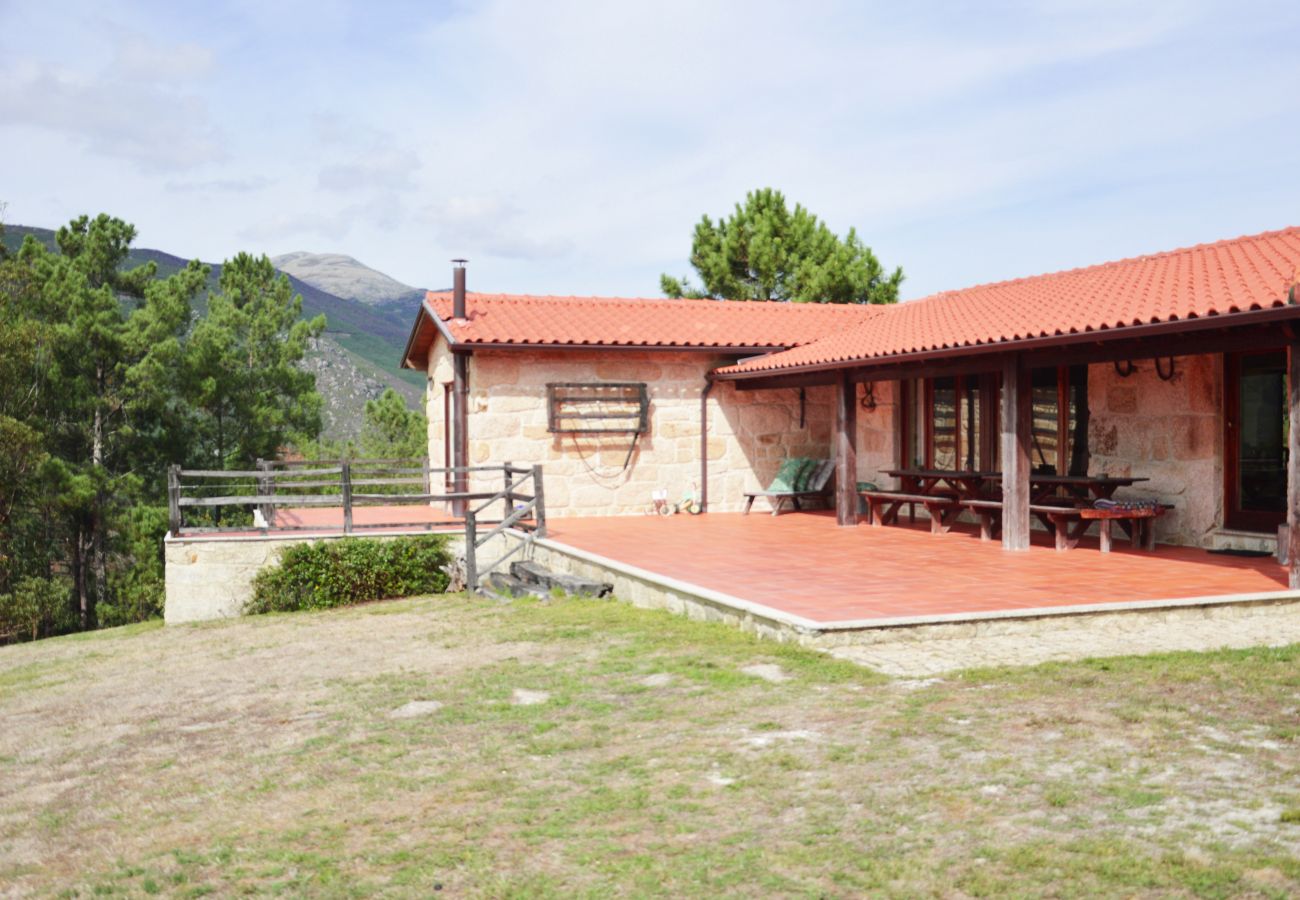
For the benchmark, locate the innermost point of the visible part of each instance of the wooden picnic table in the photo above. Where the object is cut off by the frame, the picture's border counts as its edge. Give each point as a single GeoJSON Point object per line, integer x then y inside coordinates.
{"type": "Point", "coordinates": [935, 481]}
{"type": "Point", "coordinates": [920, 483]}
{"type": "Point", "coordinates": [972, 489]}
{"type": "Point", "coordinates": [1079, 487]}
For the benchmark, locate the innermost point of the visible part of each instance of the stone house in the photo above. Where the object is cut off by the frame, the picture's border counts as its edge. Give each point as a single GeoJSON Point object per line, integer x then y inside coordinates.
{"type": "Point", "coordinates": [529, 362]}
{"type": "Point", "coordinates": [1171, 367]}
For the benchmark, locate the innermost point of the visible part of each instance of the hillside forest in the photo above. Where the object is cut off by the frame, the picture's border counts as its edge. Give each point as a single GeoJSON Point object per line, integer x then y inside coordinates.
{"type": "Point", "coordinates": [111, 371]}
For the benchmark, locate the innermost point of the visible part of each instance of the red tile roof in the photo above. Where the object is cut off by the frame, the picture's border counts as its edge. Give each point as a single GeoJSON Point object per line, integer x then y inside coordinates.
{"type": "Point", "coordinates": [507, 319]}
{"type": "Point", "coordinates": [1219, 279]}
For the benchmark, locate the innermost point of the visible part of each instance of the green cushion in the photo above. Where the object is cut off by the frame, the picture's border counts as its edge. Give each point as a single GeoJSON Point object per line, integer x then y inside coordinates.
{"type": "Point", "coordinates": [809, 474]}
{"type": "Point", "coordinates": [789, 475]}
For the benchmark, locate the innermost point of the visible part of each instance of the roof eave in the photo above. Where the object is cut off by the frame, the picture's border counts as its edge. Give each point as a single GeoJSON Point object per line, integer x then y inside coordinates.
{"type": "Point", "coordinates": [426, 311]}
{"type": "Point", "coordinates": [1179, 326]}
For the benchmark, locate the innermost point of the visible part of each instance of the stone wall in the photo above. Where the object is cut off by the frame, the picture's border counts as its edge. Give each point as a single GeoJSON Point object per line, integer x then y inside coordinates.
{"type": "Point", "coordinates": [878, 433]}
{"type": "Point", "coordinates": [1168, 431]}
{"type": "Point", "coordinates": [212, 577]}
{"type": "Point", "coordinates": [749, 432]}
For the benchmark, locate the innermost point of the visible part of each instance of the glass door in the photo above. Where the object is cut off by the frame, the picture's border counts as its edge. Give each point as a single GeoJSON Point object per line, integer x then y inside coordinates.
{"type": "Point", "coordinates": [1256, 441]}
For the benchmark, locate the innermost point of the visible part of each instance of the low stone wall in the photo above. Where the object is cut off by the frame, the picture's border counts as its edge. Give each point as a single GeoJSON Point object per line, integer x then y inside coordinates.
{"type": "Point", "coordinates": [212, 577]}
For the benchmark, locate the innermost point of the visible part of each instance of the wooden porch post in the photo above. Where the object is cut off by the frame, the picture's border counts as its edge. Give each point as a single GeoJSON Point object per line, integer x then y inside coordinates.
{"type": "Point", "coordinates": [1293, 465]}
{"type": "Point", "coordinates": [846, 450]}
{"type": "Point", "coordinates": [1016, 415]}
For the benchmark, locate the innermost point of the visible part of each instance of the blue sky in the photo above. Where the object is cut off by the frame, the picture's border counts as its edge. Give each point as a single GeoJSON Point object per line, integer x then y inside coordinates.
{"type": "Point", "coordinates": [571, 147]}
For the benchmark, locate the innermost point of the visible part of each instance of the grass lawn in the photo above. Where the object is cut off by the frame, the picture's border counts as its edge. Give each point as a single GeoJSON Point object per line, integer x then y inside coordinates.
{"type": "Point", "coordinates": [586, 748]}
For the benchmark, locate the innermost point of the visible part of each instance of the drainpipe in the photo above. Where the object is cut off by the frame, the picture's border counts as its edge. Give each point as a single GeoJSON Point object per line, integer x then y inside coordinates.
{"type": "Point", "coordinates": [704, 443]}
{"type": "Point", "coordinates": [459, 397]}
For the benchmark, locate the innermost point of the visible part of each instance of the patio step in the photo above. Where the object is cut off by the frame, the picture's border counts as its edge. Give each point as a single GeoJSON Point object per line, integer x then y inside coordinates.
{"type": "Point", "coordinates": [508, 586]}
{"type": "Point", "coordinates": [532, 573]}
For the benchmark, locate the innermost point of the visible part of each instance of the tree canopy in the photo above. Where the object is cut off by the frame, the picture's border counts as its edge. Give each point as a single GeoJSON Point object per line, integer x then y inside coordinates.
{"type": "Point", "coordinates": [766, 251]}
{"type": "Point", "coordinates": [106, 378]}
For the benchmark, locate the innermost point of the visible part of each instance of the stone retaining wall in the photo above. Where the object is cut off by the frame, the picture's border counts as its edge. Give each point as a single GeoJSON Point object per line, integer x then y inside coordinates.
{"type": "Point", "coordinates": [212, 577]}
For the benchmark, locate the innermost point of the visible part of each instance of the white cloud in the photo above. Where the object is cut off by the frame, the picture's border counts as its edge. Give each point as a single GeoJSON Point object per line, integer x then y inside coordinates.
{"type": "Point", "coordinates": [479, 226]}
{"type": "Point", "coordinates": [131, 108]}
{"type": "Point", "coordinates": [385, 169]}
{"type": "Point", "coordinates": [219, 185]}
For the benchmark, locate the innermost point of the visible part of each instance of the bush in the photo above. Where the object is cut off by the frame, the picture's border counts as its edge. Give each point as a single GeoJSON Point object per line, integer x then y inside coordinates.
{"type": "Point", "coordinates": [37, 607]}
{"type": "Point", "coordinates": [352, 570]}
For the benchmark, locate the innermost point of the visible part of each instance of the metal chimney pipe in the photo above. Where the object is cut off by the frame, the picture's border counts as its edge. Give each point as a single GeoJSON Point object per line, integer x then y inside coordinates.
{"type": "Point", "coordinates": [458, 289]}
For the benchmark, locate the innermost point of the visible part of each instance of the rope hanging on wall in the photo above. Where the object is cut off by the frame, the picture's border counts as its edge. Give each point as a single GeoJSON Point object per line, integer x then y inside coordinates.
{"type": "Point", "coordinates": [1124, 368]}
{"type": "Point", "coordinates": [1161, 371]}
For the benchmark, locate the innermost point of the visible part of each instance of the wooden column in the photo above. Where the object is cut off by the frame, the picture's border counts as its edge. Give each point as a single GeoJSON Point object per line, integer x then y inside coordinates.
{"type": "Point", "coordinates": [1016, 420]}
{"type": "Point", "coordinates": [1293, 465]}
{"type": "Point", "coordinates": [846, 450]}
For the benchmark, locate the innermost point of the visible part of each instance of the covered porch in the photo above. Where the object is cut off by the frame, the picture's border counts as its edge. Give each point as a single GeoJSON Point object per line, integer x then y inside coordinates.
{"type": "Point", "coordinates": [993, 468]}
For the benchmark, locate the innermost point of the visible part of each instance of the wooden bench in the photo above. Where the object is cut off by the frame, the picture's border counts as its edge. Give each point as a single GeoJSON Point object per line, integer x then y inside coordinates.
{"type": "Point", "coordinates": [989, 513]}
{"type": "Point", "coordinates": [1069, 523]}
{"type": "Point", "coordinates": [883, 507]}
{"type": "Point", "coordinates": [1140, 524]}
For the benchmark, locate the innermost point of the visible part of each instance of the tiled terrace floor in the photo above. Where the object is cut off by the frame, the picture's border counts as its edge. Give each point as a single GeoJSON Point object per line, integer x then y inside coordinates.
{"type": "Point", "coordinates": [803, 563]}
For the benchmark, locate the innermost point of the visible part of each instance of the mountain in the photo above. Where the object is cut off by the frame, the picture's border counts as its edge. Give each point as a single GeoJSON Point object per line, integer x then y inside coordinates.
{"type": "Point", "coordinates": [345, 277]}
{"type": "Point", "coordinates": [355, 360]}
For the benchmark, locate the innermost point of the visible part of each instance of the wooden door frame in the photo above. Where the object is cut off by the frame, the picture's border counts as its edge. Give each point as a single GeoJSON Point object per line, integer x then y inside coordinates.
{"type": "Point", "coordinates": [1233, 518]}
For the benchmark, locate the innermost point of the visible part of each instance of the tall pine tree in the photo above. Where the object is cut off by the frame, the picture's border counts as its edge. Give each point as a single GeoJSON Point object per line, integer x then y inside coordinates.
{"type": "Point", "coordinates": [244, 380]}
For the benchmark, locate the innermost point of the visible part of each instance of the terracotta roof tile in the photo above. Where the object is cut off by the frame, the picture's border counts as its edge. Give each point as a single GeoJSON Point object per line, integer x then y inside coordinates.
{"type": "Point", "coordinates": [1232, 276]}
{"type": "Point", "coordinates": [615, 321]}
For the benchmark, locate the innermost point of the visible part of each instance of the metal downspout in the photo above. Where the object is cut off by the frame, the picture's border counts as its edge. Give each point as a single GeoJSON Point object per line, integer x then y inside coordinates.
{"type": "Point", "coordinates": [704, 442]}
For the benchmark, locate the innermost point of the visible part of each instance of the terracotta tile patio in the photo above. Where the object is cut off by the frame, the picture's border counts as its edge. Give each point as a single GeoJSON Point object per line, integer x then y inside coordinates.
{"type": "Point", "coordinates": [803, 563]}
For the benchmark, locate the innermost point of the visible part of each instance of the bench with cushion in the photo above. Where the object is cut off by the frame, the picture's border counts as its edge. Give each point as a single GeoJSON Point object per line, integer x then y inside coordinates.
{"type": "Point", "coordinates": [797, 479]}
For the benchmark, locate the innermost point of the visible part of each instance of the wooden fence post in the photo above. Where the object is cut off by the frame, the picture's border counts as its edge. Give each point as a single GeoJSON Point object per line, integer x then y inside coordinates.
{"type": "Point", "coordinates": [346, 479]}
{"type": "Point", "coordinates": [471, 562]}
{"type": "Point", "coordinates": [263, 489]}
{"type": "Point", "coordinates": [539, 502]}
{"type": "Point", "coordinates": [174, 499]}
{"type": "Point", "coordinates": [510, 497]}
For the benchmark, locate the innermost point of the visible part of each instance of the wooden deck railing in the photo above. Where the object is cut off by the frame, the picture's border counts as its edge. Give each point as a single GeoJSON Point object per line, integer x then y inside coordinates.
{"type": "Point", "coordinates": [522, 510]}
{"type": "Point", "coordinates": [216, 496]}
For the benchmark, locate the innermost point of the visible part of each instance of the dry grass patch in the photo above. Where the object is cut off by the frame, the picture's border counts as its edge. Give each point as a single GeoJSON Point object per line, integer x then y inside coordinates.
{"type": "Point", "coordinates": [262, 756]}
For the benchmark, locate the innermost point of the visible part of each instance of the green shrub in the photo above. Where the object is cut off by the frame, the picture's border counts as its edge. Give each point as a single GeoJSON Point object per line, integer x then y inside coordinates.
{"type": "Point", "coordinates": [137, 591]}
{"type": "Point", "coordinates": [353, 570]}
{"type": "Point", "coordinates": [37, 607]}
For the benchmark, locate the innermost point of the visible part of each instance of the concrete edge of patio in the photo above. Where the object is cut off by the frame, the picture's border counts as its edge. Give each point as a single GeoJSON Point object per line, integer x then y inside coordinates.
{"type": "Point", "coordinates": [932, 644]}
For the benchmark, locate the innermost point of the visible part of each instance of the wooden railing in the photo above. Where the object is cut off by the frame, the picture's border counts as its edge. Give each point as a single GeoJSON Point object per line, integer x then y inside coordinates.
{"type": "Point", "coordinates": [217, 496]}
{"type": "Point", "coordinates": [523, 510]}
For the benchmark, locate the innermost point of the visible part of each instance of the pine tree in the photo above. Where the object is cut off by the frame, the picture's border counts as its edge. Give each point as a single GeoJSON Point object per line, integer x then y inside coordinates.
{"type": "Point", "coordinates": [243, 376]}
{"type": "Point", "coordinates": [392, 431]}
{"type": "Point", "coordinates": [765, 251]}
